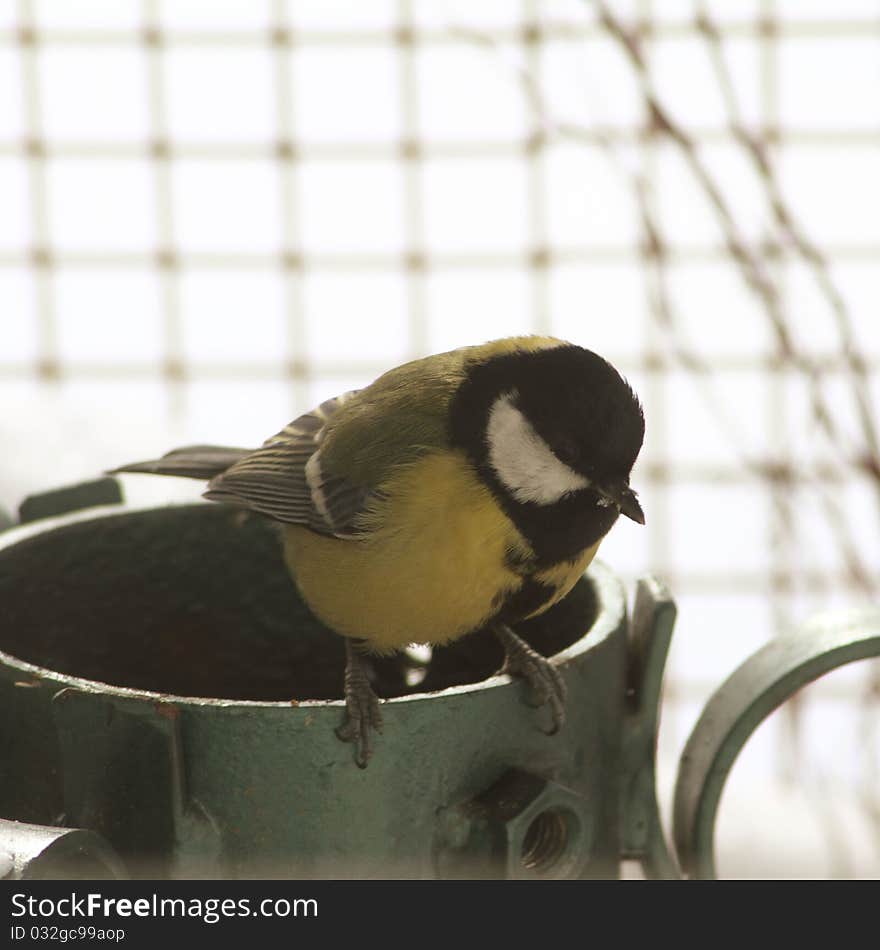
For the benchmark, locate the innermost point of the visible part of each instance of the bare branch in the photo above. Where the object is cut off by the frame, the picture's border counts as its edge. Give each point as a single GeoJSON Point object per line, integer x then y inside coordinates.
{"type": "Point", "coordinates": [800, 241]}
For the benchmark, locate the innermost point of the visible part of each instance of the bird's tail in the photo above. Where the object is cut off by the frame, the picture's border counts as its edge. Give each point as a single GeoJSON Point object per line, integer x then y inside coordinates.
{"type": "Point", "coordinates": [192, 461]}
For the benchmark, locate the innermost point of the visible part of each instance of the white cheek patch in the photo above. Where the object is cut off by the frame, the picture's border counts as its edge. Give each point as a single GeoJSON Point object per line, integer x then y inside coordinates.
{"type": "Point", "coordinates": [523, 461]}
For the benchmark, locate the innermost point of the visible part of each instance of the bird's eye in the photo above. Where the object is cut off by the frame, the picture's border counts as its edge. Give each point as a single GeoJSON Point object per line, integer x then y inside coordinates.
{"type": "Point", "coordinates": [566, 451]}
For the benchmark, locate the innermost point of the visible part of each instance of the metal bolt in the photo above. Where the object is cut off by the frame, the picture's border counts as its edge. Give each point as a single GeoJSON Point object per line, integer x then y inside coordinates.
{"type": "Point", "coordinates": [524, 826]}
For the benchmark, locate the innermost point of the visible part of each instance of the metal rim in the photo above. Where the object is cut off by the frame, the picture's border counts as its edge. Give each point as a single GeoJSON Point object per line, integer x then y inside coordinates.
{"type": "Point", "coordinates": [610, 599]}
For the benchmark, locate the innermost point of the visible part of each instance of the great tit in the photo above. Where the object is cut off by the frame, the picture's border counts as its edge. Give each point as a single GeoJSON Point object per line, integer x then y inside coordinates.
{"type": "Point", "coordinates": [466, 489]}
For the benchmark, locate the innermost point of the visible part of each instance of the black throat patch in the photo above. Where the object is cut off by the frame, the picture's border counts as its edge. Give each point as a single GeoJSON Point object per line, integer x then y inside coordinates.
{"type": "Point", "coordinates": [555, 532]}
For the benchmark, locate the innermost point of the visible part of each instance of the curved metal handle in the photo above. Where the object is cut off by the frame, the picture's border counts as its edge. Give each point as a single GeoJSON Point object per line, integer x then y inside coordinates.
{"type": "Point", "coordinates": [759, 686]}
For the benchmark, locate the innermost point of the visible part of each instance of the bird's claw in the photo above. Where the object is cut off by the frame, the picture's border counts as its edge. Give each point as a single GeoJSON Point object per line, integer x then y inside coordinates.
{"type": "Point", "coordinates": [362, 713]}
{"type": "Point", "coordinates": [544, 680]}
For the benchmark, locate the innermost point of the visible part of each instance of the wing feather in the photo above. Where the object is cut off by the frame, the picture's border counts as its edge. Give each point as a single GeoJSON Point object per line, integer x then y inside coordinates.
{"type": "Point", "coordinates": [325, 468]}
{"type": "Point", "coordinates": [285, 480]}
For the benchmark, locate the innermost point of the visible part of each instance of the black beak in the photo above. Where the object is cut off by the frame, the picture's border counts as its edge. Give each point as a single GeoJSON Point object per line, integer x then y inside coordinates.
{"type": "Point", "coordinates": [629, 506]}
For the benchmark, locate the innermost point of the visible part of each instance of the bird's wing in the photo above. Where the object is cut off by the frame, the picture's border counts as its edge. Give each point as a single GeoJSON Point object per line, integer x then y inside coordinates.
{"type": "Point", "coordinates": [284, 478]}
{"type": "Point", "coordinates": [324, 468]}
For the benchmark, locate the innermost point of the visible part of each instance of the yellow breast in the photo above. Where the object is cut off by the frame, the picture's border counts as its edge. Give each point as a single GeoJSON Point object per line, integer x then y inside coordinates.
{"type": "Point", "coordinates": [432, 566]}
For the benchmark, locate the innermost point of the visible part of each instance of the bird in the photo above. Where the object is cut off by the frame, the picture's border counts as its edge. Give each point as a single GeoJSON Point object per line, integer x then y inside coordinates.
{"type": "Point", "coordinates": [458, 491]}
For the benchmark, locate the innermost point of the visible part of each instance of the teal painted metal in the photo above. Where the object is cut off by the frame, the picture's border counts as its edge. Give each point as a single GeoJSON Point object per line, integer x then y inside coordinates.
{"type": "Point", "coordinates": [759, 686]}
{"type": "Point", "coordinates": [642, 835]}
{"type": "Point", "coordinates": [59, 501]}
{"type": "Point", "coordinates": [164, 689]}
{"type": "Point", "coordinates": [187, 785]}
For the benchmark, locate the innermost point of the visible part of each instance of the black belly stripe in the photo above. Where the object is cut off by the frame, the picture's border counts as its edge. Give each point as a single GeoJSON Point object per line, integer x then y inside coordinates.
{"type": "Point", "coordinates": [523, 602]}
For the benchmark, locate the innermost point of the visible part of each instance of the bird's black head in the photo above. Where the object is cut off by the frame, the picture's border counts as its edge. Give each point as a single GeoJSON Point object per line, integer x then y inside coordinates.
{"type": "Point", "coordinates": [555, 432]}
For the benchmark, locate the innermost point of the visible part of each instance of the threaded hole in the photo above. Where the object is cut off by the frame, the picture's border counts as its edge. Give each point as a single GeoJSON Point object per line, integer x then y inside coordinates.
{"type": "Point", "coordinates": [546, 840]}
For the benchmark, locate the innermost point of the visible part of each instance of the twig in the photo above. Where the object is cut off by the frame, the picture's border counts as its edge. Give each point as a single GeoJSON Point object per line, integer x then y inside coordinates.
{"type": "Point", "coordinates": [655, 255]}
{"type": "Point", "coordinates": [798, 238]}
{"type": "Point", "coordinates": [754, 273]}
{"type": "Point", "coordinates": [751, 265]}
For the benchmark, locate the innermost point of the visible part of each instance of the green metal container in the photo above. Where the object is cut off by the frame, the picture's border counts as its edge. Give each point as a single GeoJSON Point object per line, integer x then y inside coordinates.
{"type": "Point", "coordinates": [168, 706]}
{"type": "Point", "coordinates": [163, 686]}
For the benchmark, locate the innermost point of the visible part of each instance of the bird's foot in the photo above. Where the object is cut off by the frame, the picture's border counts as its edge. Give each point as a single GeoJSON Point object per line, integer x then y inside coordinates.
{"type": "Point", "coordinates": [544, 680]}
{"type": "Point", "coordinates": [362, 713]}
